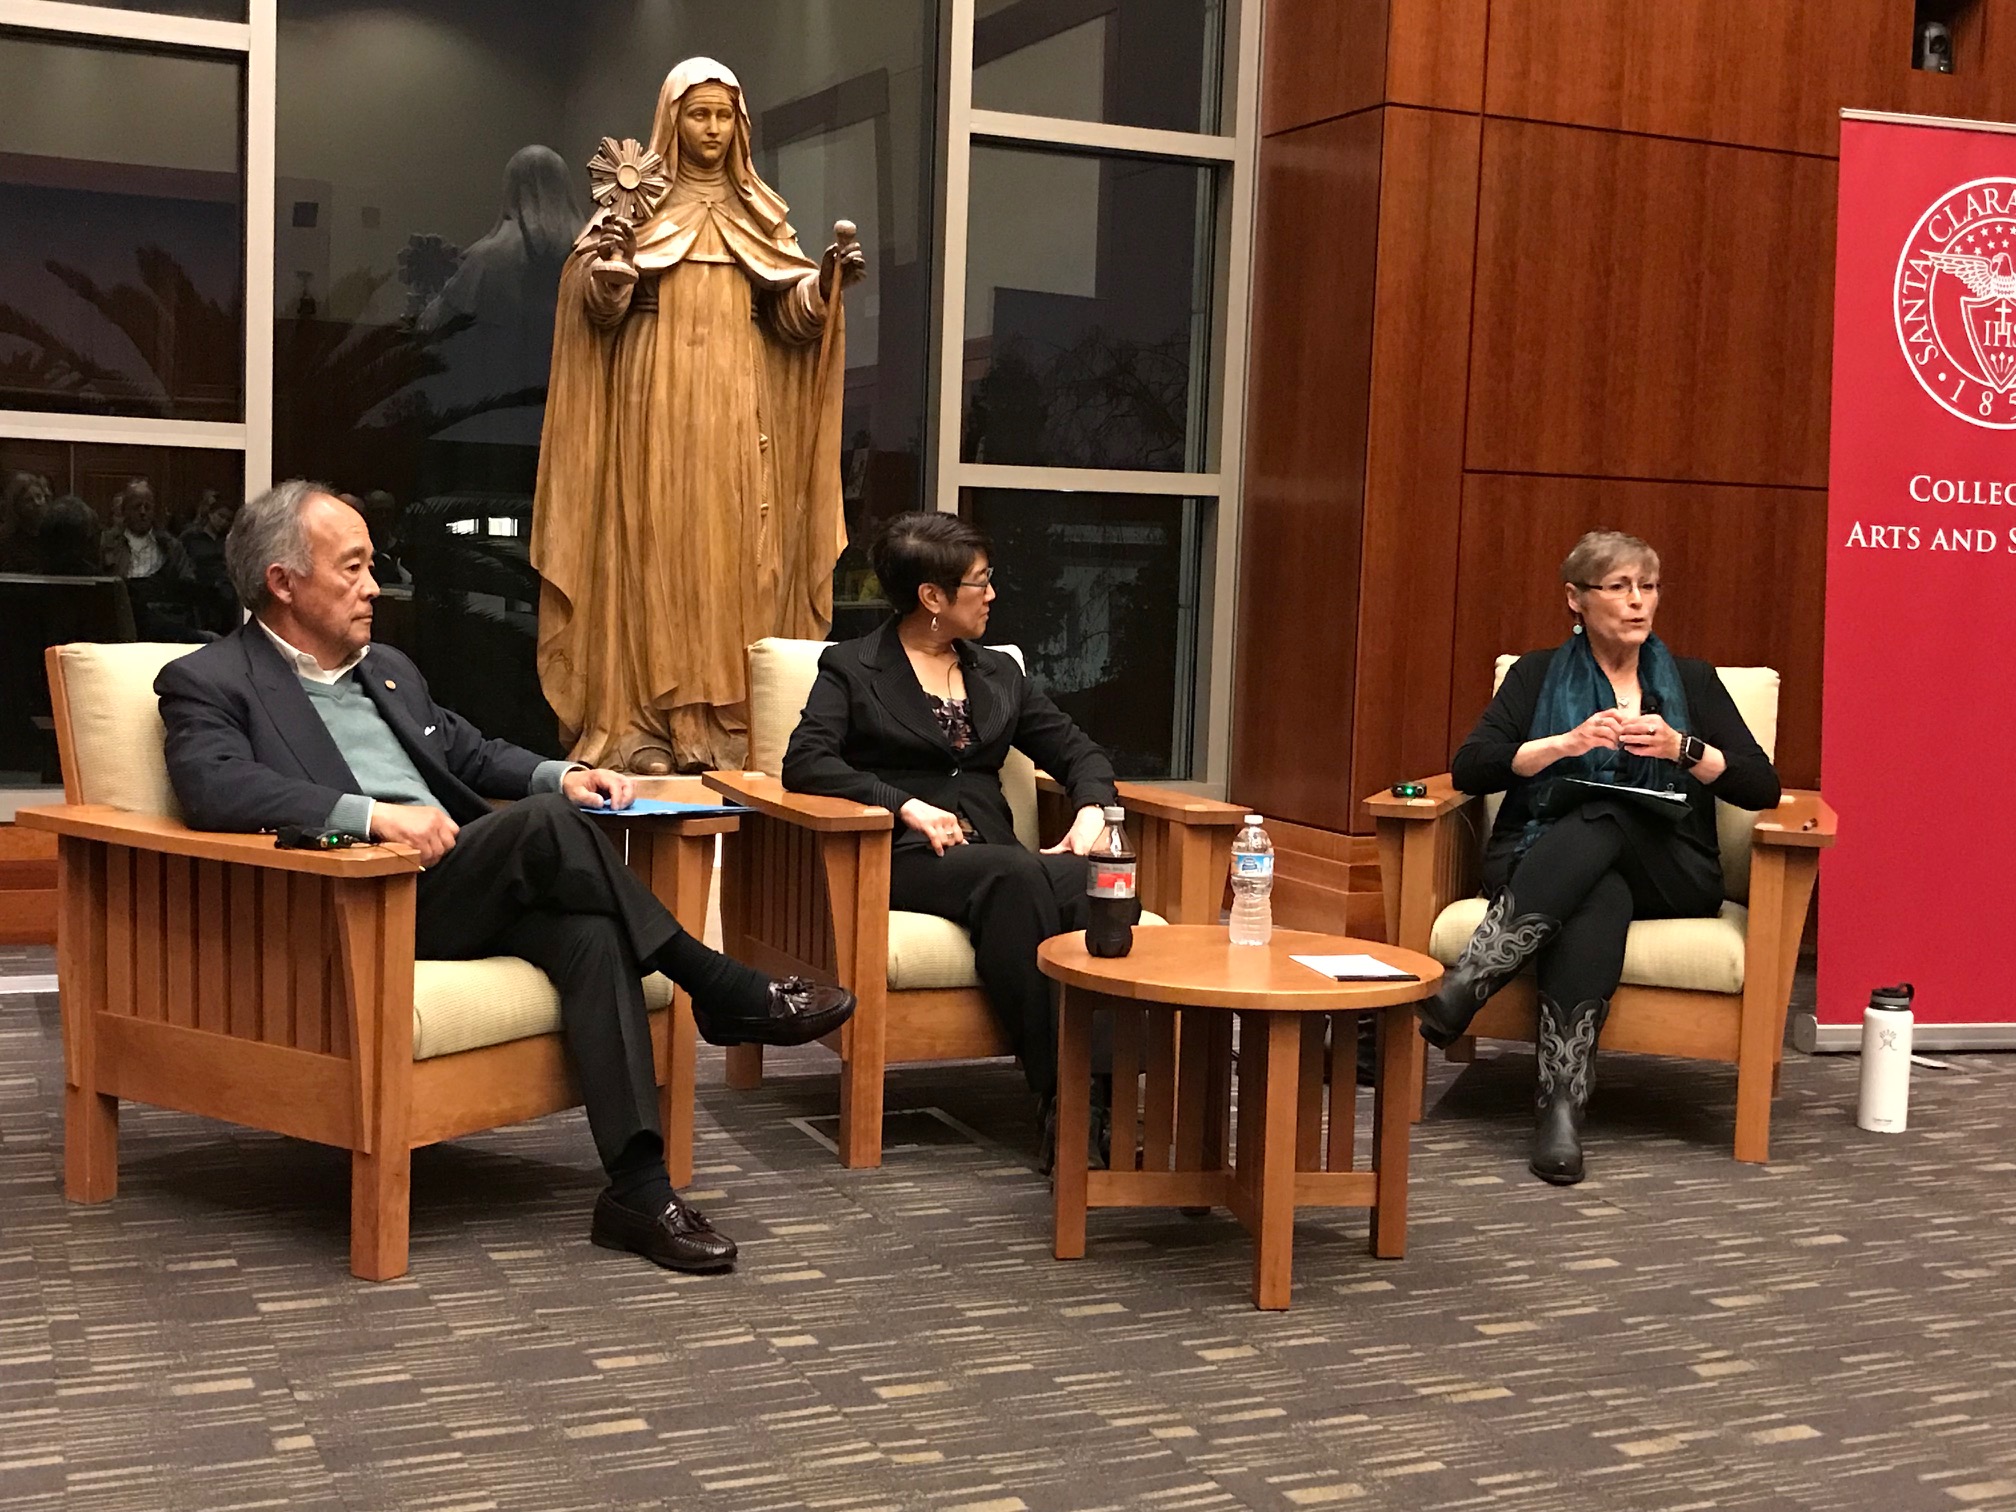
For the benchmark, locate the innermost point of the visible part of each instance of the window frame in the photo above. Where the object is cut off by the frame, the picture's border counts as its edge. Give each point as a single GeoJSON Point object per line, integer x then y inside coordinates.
{"type": "Point", "coordinates": [1220, 399]}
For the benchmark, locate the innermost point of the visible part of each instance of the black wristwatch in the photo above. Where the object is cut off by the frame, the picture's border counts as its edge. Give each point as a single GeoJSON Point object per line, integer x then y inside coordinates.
{"type": "Point", "coordinates": [1692, 749]}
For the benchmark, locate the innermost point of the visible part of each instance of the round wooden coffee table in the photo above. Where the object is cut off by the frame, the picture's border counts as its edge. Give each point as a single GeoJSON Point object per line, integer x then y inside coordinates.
{"type": "Point", "coordinates": [1173, 999]}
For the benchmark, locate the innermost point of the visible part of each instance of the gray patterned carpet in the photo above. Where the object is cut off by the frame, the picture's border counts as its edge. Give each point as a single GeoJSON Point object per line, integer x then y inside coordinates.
{"type": "Point", "coordinates": [1833, 1333]}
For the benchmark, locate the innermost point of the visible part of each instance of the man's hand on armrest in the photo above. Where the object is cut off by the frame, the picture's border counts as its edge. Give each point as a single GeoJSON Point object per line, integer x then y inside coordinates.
{"type": "Point", "coordinates": [428, 830]}
{"type": "Point", "coordinates": [598, 787]}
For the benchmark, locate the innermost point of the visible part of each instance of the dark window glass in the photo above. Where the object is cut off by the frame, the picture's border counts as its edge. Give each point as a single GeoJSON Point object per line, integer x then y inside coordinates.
{"type": "Point", "coordinates": [1087, 311]}
{"type": "Point", "coordinates": [122, 246]}
{"type": "Point", "coordinates": [1099, 591]}
{"type": "Point", "coordinates": [102, 543]}
{"type": "Point", "coordinates": [415, 322]}
{"type": "Point", "coordinates": [201, 10]}
{"type": "Point", "coordinates": [1122, 62]}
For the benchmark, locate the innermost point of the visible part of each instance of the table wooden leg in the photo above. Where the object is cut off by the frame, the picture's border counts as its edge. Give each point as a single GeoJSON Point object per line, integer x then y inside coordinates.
{"type": "Point", "coordinates": [1158, 1117]}
{"type": "Point", "coordinates": [1218, 1093]}
{"type": "Point", "coordinates": [1342, 1143]}
{"type": "Point", "coordinates": [1309, 1104]}
{"type": "Point", "coordinates": [1401, 1057]}
{"type": "Point", "coordinates": [1074, 1116]}
{"type": "Point", "coordinates": [1270, 1045]}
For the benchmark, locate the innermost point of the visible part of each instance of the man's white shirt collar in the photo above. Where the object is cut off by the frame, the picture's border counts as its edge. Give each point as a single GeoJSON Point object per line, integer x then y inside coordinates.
{"type": "Point", "coordinates": [307, 666]}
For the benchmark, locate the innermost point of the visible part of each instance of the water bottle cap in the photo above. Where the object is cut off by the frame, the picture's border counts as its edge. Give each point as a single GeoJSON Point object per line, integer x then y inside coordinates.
{"type": "Point", "coordinates": [1113, 813]}
{"type": "Point", "coordinates": [1253, 819]}
{"type": "Point", "coordinates": [1893, 999]}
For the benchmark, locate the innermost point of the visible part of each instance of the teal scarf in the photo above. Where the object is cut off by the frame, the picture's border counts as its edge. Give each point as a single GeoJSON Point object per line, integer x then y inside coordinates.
{"type": "Point", "coordinates": [1575, 689]}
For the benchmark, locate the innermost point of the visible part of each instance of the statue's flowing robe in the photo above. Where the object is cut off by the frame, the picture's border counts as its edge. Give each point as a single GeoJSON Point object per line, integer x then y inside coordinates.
{"type": "Point", "coordinates": [689, 478]}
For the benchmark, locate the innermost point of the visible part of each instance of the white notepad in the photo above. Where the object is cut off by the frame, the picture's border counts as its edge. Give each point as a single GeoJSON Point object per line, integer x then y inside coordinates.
{"type": "Point", "coordinates": [1355, 968]}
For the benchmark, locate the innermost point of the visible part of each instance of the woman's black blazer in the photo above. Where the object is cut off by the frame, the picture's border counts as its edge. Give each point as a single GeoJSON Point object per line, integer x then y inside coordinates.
{"type": "Point", "coordinates": [868, 733]}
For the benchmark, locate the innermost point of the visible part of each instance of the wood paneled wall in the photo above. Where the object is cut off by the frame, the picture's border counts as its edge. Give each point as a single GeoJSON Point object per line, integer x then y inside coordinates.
{"type": "Point", "coordinates": [1600, 294]}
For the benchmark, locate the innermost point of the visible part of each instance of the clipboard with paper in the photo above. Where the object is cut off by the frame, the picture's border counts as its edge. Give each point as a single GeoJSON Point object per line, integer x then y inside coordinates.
{"type": "Point", "coordinates": [1665, 803]}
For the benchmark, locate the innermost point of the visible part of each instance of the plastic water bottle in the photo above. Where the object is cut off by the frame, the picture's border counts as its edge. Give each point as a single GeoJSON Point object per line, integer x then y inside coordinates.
{"type": "Point", "coordinates": [1252, 885]}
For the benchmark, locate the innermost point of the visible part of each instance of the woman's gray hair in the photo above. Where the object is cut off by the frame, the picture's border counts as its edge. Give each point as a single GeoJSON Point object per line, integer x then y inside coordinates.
{"type": "Point", "coordinates": [267, 532]}
{"type": "Point", "coordinates": [1602, 552]}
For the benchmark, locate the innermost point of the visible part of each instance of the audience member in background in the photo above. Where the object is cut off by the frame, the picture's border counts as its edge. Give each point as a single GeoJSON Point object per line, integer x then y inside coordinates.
{"type": "Point", "coordinates": [918, 718]}
{"type": "Point", "coordinates": [296, 717]}
{"type": "Point", "coordinates": [381, 518]}
{"type": "Point", "coordinates": [1567, 868]}
{"type": "Point", "coordinates": [69, 539]}
{"type": "Point", "coordinates": [203, 548]}
{"type": "Point", "coordinates": [24, 501]}
{"type": "Point", "coordinates": [138, 545]}
{"type": "Point", "coordinates": [140, 549]}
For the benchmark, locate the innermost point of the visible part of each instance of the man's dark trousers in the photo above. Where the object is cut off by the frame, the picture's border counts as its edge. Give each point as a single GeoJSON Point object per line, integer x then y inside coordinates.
{"type": "Point", "coordinates": [540, 881]}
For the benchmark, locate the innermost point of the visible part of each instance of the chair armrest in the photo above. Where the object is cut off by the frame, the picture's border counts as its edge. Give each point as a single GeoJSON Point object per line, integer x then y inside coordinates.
{"type": "Point", "coordinates": [1802, 818]}
{"type": "Point", "coordinates": [768, 796]}
{"type": "Point", "coordinates": [1443, 798]}
{"type": "Point", "coordinates": [1172, 804]}
{"type": "Point", "coordinates": [1177, 807]}
{"type": "Point", "coordinates": [149, 832]}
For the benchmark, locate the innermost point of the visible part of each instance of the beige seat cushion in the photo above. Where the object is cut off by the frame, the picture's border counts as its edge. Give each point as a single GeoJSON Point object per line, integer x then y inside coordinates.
{"type": "Point", "coordinates": [781, 674]}
{"type": "Point", "coordinates": [1754, 691]}
{"type": "Point", "coordinates": [115, 724]}
{"type": "Point", "coordinates": [927, 952]}
{"type": "Point", "coordinates": [1696, 955]}
{"type": "Point", "coordinates": [465, 1005]}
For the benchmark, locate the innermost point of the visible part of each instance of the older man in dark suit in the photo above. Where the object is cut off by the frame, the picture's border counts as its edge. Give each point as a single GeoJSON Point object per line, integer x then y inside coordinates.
{"type": "Point", "coordinates": [297, 718]}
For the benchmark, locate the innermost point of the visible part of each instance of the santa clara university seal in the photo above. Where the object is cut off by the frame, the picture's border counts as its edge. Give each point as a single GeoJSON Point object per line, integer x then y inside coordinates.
{"type": "Point", "coordinates": [1956, 302]}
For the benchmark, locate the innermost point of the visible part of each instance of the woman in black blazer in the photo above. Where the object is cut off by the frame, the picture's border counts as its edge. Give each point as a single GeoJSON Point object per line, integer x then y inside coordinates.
{"type": "Point", "coordinates": [1567, 868]}
{"type": "Point", "coordinates": [918, 717]}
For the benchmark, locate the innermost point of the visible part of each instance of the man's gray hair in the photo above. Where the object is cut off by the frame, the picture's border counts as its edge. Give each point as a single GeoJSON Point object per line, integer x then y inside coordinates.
{"type": "Point", "coordinates": [267, 532]}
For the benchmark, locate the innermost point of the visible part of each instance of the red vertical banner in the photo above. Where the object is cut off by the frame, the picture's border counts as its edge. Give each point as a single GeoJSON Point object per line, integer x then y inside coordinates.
{"type": "Point", "coordinates": [1918, 726]}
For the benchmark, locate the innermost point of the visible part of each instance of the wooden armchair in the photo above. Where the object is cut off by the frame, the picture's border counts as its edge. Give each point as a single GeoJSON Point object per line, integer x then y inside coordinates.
{"type": "Point", "coordinates": [1704, 989]}
{"type": "Point", "coordinates": [277, 989]}
{"type": "Point", "coordinates": [805, 890]}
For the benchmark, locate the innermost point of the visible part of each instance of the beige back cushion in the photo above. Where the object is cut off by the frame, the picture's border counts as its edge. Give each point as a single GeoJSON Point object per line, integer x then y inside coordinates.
{"type": "Point", "coordinates": [1754, 690]}
{"type": "Point", "coordinates": [115, 725]}
{"type": "Point", "coordinates": [781, 674]}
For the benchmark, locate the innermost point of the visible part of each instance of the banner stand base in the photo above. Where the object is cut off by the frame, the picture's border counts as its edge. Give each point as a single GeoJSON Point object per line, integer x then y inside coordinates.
{"type": "Point", "coordinates": [1835, 1039]}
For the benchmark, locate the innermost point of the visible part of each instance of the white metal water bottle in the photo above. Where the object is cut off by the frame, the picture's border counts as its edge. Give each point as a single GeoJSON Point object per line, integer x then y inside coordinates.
{"type": "Point", "coordinates": [1885, 1102]}
{"type": "Point", "coordinates": [1252, 885]}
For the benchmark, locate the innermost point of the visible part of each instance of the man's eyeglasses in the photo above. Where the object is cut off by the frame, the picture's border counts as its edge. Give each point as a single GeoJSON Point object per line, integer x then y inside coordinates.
{"type": "Point", "coordinates": [1622, 588]}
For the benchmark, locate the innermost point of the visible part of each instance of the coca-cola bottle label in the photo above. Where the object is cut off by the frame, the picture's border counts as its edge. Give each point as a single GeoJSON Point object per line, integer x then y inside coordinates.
{"type": "Point", "coordinates": [1111, 879]}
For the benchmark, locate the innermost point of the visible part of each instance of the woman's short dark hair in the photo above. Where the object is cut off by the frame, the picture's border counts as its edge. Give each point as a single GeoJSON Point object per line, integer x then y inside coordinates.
{"type": "Point", "coordinates": [924, 547]}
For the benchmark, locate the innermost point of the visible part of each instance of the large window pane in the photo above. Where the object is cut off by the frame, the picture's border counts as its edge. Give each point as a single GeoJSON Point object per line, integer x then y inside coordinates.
{"type": "Point", "coordinates": [1099, 591]}
{"type": "Point", "coordinates": [1124, 62]}
{"type": "Point", "coordinates": [1087, 311]}
{"type": "Point", "coordinates": [122, 201]}
{"type": "Point", "coordinates": [102, 543]}
{"type": "Point", "coordinates": [425, 207]}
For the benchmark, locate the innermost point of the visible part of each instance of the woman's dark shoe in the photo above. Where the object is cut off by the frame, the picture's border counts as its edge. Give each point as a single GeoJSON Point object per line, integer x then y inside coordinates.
{"type": "Point", "coordinates": [1098, 1136]}
{"type": "Point", "coordinates": [1497, 952]}
{"type": "Point", "coordinates": [1567, 1055]}
{"type": "Point", "coordinates": [680, 1238]}
{"type": "Point", "coordinates": [1368, 1049]}
{"type": "Point", "coordinates": [794, 1012]}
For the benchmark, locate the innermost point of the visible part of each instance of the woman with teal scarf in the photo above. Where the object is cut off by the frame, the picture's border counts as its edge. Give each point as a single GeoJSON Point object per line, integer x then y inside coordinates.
{"type": "Point", "coordinates": [1567, 866]}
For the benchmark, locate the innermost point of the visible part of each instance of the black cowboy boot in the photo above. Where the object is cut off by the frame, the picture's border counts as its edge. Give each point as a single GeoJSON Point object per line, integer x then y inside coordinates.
{"type": "Point", "coordinates": [1497, 952]}
{"type": "Point", "coordinates": [1567, 1052]}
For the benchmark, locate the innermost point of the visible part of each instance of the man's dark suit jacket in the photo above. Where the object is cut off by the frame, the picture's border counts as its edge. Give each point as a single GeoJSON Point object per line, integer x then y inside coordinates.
{"type": "Point", "coordinates": [869, 734]}
{"type": "Point", "coordinates": [247, 751]}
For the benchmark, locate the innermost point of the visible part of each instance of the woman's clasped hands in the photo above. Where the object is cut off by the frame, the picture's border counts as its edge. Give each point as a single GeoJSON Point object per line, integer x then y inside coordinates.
{"type": "Point", "coordinates": [1609, 730]}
